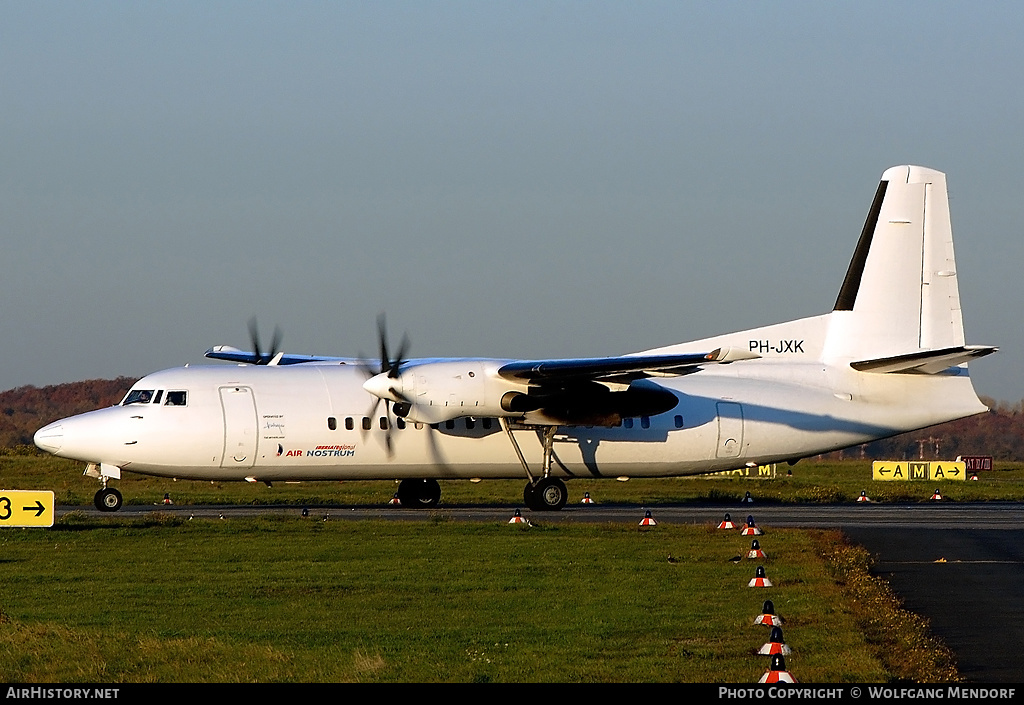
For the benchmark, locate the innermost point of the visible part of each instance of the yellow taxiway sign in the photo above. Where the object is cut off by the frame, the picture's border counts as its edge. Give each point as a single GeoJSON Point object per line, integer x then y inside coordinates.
{"type": "Point", "coordinates": [26, 508]}
{"type": "Point", "coordinates": [924, 470]}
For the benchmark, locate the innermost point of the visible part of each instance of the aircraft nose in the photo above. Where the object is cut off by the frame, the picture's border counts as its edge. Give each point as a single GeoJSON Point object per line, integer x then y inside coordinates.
{"type": "Point", "coordinates": [49, 438]}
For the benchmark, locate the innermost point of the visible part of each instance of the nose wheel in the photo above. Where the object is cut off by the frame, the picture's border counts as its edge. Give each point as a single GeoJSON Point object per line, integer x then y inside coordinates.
{"type": "Point", "coordinates": [108, 500]}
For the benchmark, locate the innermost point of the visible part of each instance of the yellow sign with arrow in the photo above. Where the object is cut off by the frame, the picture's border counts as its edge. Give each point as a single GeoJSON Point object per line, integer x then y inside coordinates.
{"type": "Point", "coordinates": [923, 470]}
{"type": "Point", "coordinates": [26, 508]}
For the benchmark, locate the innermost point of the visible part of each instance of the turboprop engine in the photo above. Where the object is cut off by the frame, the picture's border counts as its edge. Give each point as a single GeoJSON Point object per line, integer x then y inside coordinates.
{"type": "Point", "coordinates": [434, 392]}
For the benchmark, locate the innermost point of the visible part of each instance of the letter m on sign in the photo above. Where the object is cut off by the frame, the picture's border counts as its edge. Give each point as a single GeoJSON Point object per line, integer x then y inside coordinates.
{"type": "Point", "coordinates": [918, 471]}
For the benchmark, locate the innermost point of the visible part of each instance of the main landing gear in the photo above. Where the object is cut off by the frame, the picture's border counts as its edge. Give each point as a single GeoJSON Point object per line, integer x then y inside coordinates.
{"type": "Point", "coordinates": [107, 499]}
{"type": "Point", "coordinates": [544, 494]}
{"type": "Point", "coordinates": [548, 494]}
{"type": "Point", "coordinates": [424, 494]}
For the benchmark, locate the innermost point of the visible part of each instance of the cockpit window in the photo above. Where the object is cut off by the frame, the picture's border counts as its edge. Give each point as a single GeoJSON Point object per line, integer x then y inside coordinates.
{"type": "Point", "coordinates": [176, 399]}
{"type": "Point", "coordinates": [138, 396]}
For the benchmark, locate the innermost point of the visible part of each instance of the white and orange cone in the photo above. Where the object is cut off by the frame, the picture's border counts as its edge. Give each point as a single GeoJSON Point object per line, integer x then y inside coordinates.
{"type": "Point", "coordinates": [751, 528]}
{"type": "Point", "coordinates": [777, 672]}
{"type": "Point", "coordinates": [755, 550]}
{"type": "Point", "coordinates": [394, 500]}
{"type": "Point", "coordinates": [759, 579]}
{"type": "Point", "coordinates": [768, 616]}
{"type": "Point", "coordinates": [586, 499]}
{"type": "Point", "coordinates": [863, 496]}
{"type": "Point", "coordinates": [776, 644]}
{"type": "Point", "coordinates": [517, 518]}
{"type": "Point", "coordinates": [936, 495]}
{"type": "Point", "coordinates": [726, 523]}
{"type": "Point", "coordinates": [648, 520]}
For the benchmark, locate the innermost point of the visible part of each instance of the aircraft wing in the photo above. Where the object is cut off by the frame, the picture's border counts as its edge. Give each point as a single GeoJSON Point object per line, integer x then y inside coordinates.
{"type": "Point", "coordinates": [623, 367]}
{"type": "Point", "coordinates": [226, 352]}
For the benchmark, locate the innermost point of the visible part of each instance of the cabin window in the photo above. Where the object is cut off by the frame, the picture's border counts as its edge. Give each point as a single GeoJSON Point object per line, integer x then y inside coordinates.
{"type": "Point", "coordinates": [158, 397]}
{"type": "Point", "coordinates": [332, 423]}
{"type": "Point", "coordinates": [367, 423]}
{"type": "Point", "coordinates": [176, 398]}
{"type": "Point", "coordinates": [627, 423]}
{"type": "Point", "coordinates": [449, 424]}
{"type": "Point", "coordinates": [470, 424]}
{"type": "Point", "coordinates": [383, 423]}
{"type": "Point", "coordinates": [400, 422]}
{"type": "Point", "coordinates": [645, 422]}
{"type": "Point", "coordinates": [138, 396]}
{"type": "Point", "coordinates": [486, 423]}
{"type": "Point", "coordinates": [679, 421]}
{"type": "Point", "coordinates": [349, 423]}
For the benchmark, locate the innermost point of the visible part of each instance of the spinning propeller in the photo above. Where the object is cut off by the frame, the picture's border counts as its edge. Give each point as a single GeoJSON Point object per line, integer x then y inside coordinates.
{"type": "Point", "coordinates": [268, 357]}
{"type": "Point", "coordinates": [379, 380]}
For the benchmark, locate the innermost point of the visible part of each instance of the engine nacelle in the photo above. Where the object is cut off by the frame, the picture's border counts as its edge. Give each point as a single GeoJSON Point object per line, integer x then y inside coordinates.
{"type": "Point", "coordinates": [432, 392]}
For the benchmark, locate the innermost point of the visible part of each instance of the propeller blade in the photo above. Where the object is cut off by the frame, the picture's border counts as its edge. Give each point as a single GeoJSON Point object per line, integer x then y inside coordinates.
{"type": "Point", "coordinates": [393, 368]}
{"type": "Point", "coordinates": [382, 339]}
{"type": "Point", "coordinates": [259, 357]}
{"type": "Point", "coordinates": [254, 340]}
{"type": "Point", "coordinates": [403, 347]}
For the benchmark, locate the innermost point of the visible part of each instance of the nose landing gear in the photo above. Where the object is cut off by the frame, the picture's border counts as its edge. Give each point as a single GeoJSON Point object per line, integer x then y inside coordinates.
{"type": "Point", "coordinates": [108, 499]}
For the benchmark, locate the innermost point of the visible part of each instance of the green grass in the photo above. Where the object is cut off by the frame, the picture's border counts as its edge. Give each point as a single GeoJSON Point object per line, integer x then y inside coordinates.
{"type": "Point", "coordinates": [277, 599]}
{"type": "Point", "coordinates": [286, 599]}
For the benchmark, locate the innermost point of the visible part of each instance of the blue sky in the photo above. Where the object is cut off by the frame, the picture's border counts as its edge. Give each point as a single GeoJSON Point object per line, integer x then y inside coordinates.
{"type": "Point", "coordinates": [522, 179]}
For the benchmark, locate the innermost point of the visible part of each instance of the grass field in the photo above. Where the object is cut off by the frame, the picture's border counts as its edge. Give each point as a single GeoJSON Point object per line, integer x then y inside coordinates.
{"type": "Point", "coordinates": [276, 599]}
{"type": "Point", "coordinates": [288, 599]}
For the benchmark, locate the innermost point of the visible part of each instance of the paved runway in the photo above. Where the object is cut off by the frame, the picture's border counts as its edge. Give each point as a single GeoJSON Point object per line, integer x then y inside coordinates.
{"type": "Point", "coordinates": [975, 599]}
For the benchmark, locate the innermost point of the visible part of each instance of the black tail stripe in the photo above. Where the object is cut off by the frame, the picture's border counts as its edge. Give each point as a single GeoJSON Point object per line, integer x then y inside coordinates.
{"type": "Point", "coordinates": [848, 294]}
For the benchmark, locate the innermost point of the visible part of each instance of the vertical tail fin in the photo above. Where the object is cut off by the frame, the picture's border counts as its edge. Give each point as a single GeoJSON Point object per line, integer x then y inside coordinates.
{"type": "Point", "coordinates": [900, 294]}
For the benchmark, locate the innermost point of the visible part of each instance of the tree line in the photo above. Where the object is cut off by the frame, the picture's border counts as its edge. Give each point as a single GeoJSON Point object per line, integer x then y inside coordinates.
{"type": "Point", "coordinates": [998, 432]}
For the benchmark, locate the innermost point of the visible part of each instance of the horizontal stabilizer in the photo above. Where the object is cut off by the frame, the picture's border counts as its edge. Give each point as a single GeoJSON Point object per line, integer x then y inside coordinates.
{"type": "Point", "coordinates": [924, 362]}
{"type": "Point", "coordinates": [230, 354]}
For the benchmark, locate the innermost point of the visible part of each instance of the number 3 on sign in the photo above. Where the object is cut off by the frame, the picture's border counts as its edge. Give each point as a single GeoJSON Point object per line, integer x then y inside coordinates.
{"type": "Point", "coordinates": [26, 508]}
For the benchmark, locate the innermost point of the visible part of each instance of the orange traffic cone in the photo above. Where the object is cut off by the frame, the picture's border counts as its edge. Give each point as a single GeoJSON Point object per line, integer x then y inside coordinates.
{"type": "Point", "coordinates": [768, 616]}
{"type": "Point", "coordinates": [777, 672]}
{"type": "Point", "coordinates": [755, 550]}
{"type": "Point", "coordinates": [775, 644]}
{"type": "Point", "coordinates": [759, 579]}
{"type": "Point", "coordinates": [751, 528]}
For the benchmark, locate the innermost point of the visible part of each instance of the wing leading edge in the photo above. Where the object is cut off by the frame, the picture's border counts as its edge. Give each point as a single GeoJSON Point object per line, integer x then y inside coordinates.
{"type": "Point", "coordinates": [627, 366]}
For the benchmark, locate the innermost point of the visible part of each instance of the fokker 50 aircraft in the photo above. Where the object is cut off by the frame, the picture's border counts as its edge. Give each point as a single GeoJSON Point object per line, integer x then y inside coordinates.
{"type": "Point", "coordinates": [890, 357]}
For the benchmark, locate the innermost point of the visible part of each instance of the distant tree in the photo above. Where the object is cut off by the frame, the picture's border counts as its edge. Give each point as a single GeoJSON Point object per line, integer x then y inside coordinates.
{"type": "Point", "coordinates": [27, 409]}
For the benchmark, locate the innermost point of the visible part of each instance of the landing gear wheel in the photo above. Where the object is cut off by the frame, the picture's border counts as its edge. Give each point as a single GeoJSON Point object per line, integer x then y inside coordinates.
{"type": "Point", "coordinates": [108, 500]}
{"type": "Point", "coordinates": [424, 494]}
{"type": "Point", "coordinates": [528, 497]}
{"type": "Point", "coordinates": [547, 495]}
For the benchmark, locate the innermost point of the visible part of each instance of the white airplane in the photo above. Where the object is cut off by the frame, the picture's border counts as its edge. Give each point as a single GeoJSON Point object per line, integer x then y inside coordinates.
{"type": "Point", "coordinates": [889, 358]}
